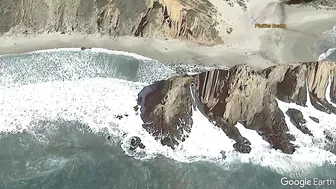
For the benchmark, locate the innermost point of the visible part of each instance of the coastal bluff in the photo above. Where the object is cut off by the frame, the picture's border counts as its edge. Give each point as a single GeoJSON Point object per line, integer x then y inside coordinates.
{"type": "Point", "coordinates": [187, 20]}
{"type": "Point", "coordinates": [240, 95]}
{"type": "Point", "coordinates": [203, 22]}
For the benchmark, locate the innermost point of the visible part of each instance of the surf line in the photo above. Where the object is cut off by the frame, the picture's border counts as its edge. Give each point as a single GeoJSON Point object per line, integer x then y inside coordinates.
{"type": "Point", "coordinates": [258, 25]}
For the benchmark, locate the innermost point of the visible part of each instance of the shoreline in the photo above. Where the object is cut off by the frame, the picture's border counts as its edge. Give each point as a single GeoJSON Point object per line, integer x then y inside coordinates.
{"type": "Point", "coordinates": [258, 48]}
{"type": "Point", "coordinates": [298, 41]}
{"type": "Point", "coordinates": [165, 51]}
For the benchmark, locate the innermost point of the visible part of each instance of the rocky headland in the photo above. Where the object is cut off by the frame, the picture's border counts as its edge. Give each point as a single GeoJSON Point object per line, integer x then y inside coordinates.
{"type": "Point", "coordinates": [239, 94]}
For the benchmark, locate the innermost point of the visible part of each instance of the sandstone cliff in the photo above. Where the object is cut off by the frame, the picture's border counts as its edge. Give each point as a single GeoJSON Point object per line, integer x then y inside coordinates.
{"type": "Point", "coordinates": [200, 21]}
{"type": "Point", "coordinates": [242, 95]}
{"type": "Point", "coordinates": [184, 19]}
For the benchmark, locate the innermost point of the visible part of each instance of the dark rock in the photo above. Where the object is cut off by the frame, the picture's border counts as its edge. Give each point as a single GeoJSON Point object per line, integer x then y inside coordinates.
{"type": "Point", "coordinates": [294, 2]}
{"type": "Point", "coordinates": [273, 128]}
{"type": "Point", "coordinates": [84, 48]}
{"type": "Point", "coordinates": [126, 115]}
{"type": "Point", "coordinates": [286, 88]}
{"type": "Point", "coordinates": [108, 137]}
{"type": "Point", "coordinates": [246, 142]}
{"type": "Point", "coordinates": [62, 32]}
{"type": "Point", "coordinates": [229, 30]}
{"type": "Point", "coordinates": [314, 119]}
{"type": "Point", "coordinates": [223, 154]}
{"type": "Point", "coordinates": [136, 108]}
{"type": "Point", "coordinates": [322, 104]}
{"type": "Point", "coordinates": [167, 122]}
{"type": "Point", "coordinates": [119, 117]}
{"type": "Point", "coordinates": [171, 142]}
{"type": "Point", "coordinates": [298, 121]}
{"type": "Point", "coordinates": [328, 136]}
{"type": "Point", "coordinates": [332, 93]}
{"type": "Point", "coordinates": [135, 142]}
{"type": "Point", "coordinates": [142, 146]}
{"type": "Point", "coordinates": [231, 131]}
{"type": "Point", "coordinates": [243, 148]}
{"type": "Point", "coordinates": [291, 137]}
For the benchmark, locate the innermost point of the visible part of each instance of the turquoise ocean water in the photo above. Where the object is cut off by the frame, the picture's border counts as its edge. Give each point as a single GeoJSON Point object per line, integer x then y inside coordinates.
{"type": "Point", "coordinates": [58, 131]}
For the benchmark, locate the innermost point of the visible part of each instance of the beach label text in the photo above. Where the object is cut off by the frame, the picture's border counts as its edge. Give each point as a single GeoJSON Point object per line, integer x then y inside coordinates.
{"type": "Point", "coordinates": [258, 25]}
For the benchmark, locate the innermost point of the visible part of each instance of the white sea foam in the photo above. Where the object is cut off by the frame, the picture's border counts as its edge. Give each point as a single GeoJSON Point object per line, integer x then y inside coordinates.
{"type": "Point", "coordinates": [328, 93]}
{"type": "Point", "coordinates": [208, 141]}
{"type": "Point", "coordinates": [92, 101]}
{"type": "Point", "coordinates": [96, 101]}
{"type": "Point", "coordinates": [98, 50]}
{"type": "Point", "coordinates": [325, 55]}
{"type": "Point", "coordinates": [326, 46]}
{"type": "Point", "coordinates": [65, 64]}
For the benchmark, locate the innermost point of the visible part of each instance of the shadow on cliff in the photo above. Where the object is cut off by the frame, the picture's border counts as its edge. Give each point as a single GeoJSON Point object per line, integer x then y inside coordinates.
{"type": "Point", "coordinates": [239, 95]}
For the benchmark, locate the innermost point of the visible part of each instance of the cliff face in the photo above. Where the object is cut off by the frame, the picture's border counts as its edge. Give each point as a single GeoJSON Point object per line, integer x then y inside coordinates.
{"type": "Point", "coordinates": [241, 95]}
{"type": "Point", "coordinates": [184, 19]}
{"type": "Point", "coordinates": [193, 20]}
{"type": "Point", "coordinates": [166, 108]}
{"type": "Point", "coordinates": [315, 3]}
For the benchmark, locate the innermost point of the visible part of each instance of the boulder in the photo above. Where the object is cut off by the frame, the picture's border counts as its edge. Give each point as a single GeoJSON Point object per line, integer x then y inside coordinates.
{"type": "Point", "coordinates": [242, 148]}
{"type": "Point", "coordinates": [298, 120]}
{"type": "Point", "coordinates": [314, 119]}
{"type": "Point", "coordinates": [135, 142]}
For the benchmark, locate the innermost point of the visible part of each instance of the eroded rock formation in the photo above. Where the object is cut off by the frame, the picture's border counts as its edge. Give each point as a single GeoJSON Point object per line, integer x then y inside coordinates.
{"type": "Point", "coordinates": [298, 120]}
{"type": "Point", "coordinates": [242, 95]}
{"type": "Point", "coordinates": [166, 109]}
{"type": "Point", "coordinates": [186, 19]}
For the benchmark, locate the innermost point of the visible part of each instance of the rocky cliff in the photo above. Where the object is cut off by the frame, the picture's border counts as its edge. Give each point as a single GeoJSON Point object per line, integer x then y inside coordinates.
{"type": "Point", "coordinates": [329, 4]}
{"type": "Point", "coordinates": [184, 19]}
{"type": "Point", "coordinates": [239, 94]}
{"type": "Point", "coordinates": [198, 21]}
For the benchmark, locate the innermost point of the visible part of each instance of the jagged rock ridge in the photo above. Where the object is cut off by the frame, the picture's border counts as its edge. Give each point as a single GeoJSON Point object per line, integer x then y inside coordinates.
{"type": "Point", "coordinates": [242, 95]}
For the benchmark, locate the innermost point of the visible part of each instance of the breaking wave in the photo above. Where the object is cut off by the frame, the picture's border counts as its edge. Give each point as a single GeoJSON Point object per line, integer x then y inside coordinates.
{"type": "Point", "coordinates": [74, 64]}
{"type": "Point", "coordinates": [325, 48]}
{"type": "Point", "coordinates": [67, 93]}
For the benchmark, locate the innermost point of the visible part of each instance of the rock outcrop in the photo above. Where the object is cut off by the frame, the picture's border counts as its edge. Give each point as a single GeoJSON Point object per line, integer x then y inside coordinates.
{"type": "Point", "coordinates": [166, 109]}
{"type": "Point", "coordinates": [314, 3]}
{"type": "Point", "coordinates": [298, 120]}
{"type": "Point", "coordinates": [186, 19]}
{"type": "Point", "coordinates": [135, 142]}
{"type": "Point", "coordinates": [238, 94]}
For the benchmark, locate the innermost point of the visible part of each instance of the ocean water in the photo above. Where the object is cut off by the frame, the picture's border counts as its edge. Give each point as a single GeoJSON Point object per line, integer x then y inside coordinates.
{"type": "Point", "coordinates": [325, 48]}
{"type": "Point", "coordinates": [59, 130]}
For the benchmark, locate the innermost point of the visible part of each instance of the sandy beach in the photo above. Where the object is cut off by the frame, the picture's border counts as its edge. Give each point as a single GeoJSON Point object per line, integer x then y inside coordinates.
{"type": "Point", "coordinates": [257, 47]}
{"type": "Point", "coordinates": [167, 51]}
